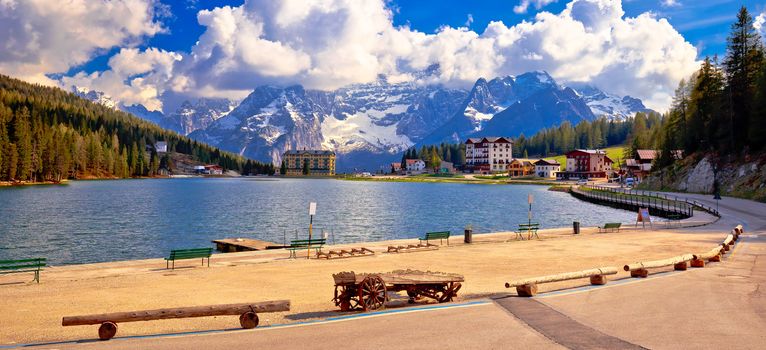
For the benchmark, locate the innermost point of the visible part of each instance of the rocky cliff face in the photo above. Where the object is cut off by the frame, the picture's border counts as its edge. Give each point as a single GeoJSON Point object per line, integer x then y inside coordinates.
{"type": "Point", "coordinates": [696, 174]}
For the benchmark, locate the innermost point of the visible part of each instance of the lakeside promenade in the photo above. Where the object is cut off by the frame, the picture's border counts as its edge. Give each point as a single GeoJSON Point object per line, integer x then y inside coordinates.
{"type": "Point", "coordinates": [33, 312]}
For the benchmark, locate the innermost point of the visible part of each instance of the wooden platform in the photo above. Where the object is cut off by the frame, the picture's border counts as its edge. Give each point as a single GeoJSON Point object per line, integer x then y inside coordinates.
{"type": "Point", "coordinates": [230, 245]}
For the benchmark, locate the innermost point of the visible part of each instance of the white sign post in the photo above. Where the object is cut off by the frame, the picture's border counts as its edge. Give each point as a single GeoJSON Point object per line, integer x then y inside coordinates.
{"type": "Point", "coordinates": [312, 212]}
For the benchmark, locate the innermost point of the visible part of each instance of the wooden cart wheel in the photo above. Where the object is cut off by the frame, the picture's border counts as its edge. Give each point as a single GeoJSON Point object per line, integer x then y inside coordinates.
{"type": "Point", "coordinates": [248, 320]}
{"type": "Point", "coordinates": [346, 298]}
{"type": "Point", "coordinates": [372, 293]}
{"type": "Point", "coordinates": [450, 292]}
{"type": "Point", "coordinates": [107, 330]}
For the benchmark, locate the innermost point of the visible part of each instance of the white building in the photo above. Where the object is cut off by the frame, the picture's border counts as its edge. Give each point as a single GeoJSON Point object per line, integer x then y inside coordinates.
{"type": "Point", "coordinates": [161, 147]}
{"type": "Point", "coordinates": [488, 154]}
{"type": "Point", "coordinates": [547, 168]}
{"type": "Point", "coordinates": [415, 166]}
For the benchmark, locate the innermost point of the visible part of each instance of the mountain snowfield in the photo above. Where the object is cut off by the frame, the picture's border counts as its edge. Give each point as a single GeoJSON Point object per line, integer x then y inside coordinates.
{"type": "Point", "coordinates": [369, 125]}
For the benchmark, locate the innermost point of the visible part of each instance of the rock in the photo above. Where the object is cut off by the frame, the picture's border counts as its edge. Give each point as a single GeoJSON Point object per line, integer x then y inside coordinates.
{"type": "Point", "coordinates": [701, 178]}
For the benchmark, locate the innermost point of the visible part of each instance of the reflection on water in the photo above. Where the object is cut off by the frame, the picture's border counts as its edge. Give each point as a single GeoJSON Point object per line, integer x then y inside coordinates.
{"type": "Point", "coordinates": [93, 221]}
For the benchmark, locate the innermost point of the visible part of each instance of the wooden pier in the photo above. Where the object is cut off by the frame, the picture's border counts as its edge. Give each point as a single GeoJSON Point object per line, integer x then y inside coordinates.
{"type": "Point", "coordinates": [230, 245]}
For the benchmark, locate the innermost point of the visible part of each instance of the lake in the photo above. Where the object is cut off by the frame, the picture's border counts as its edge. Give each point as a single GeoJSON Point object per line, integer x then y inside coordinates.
{"type": "Point", "coordinates": [97, 221]}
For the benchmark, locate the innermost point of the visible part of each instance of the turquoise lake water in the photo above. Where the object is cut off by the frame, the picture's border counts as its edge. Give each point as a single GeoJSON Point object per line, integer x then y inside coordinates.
{"type": "Point", "coordinates": [97, 221]}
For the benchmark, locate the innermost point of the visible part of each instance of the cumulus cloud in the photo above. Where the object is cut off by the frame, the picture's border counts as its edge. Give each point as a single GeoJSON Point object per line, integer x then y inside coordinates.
{"type": "Point", "coordinates": [326, 44]}
{"type": "Point", "coordinates": [134, 77]}
{"type": "Point", "coordinates": [523, 6]}
{"type": "Point", "coordinates": [42, 37]}
{"type": "Point", "coordinates": [670, 3]}
{"type": "Point", "coordinates": [758, 24]}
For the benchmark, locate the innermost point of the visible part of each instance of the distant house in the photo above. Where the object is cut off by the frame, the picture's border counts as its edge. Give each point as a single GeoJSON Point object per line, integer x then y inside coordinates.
{"type": "Point", "coordinates": [446, 168]}
{"type": "Point", "coordinates": [161, 147]}
{"type": "Point", "coordinates": [199, 169]}
{"type": "Point", "coordinates": [586, 164]}
{"type": "Point", "coordinates": [213, 170]}
{"type": "Point", "coordinates": [487, 155]}
{"type": "Point", "coordinates": [320, 162]}
{"type": "Point", "coordinates": [415, 166]}
{"type": "Point", "coordinates": [396, 168]}
{"type": "Point", "coordinates": [640, 166]}
{"type": "Point", "coordinates": [547, 168]}
{"type": "Point", "coordinates": [521, 167]}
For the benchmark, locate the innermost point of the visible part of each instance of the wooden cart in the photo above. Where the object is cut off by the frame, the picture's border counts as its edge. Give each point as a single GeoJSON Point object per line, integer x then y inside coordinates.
{"type": "Point", "coordinates": [368, 291]}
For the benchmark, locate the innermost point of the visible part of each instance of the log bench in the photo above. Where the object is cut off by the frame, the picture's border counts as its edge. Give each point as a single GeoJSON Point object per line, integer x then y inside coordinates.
{"type": "Point", "coordinates": [24, 265]}
{"type": "Point", "coordinates": [640, 269]}
{"type": "Point", "coordinates": [343, 253]}
{"type": "Point", "coordinates": [248, 315]}
{"type": "Point", "coordinates": [411, 248]}
{"type": "Point", "coordinates": [713, 255]}
{"type": "Point", "coordinates": [183, 254]}
{"type": "Point", "coordinates": [528, 287]}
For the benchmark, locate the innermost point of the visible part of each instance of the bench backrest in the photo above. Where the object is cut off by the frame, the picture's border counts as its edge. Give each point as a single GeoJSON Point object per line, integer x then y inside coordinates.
{"type": "Point", "coordinates": [191, 253]}
{"type": "Point", "coordinates": [612, 225]}
{"type": "Point", "coordinates": [440, 234]}
{"type": "Point", "coordinates": [307, 242]}
{"type": "Point", "coordinates": [532, 225]}
{"type": "Point", "coordinates": [23, 264]}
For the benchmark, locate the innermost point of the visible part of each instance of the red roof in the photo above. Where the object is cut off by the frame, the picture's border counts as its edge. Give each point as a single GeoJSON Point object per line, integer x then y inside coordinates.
{"type": "Point", "coordinates": [413, 161]}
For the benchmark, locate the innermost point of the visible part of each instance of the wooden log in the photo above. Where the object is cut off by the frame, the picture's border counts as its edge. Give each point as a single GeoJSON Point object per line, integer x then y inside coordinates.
{"type": "Point", "coordinates": [698, 263]}
{"type": "Point", "coordinates": [658, 263]}
{"type": "Point", "coordinates": [640, 273]}
{"type": "Point", "coordinates": [728, 241]}
{"type": "Point", "coordinates": [183, 312]}
{"type": "Point", "coordinates": [248, 320]}
{"type": "Point", "coordinates": [716, 258]}
{"type": "Point", "coordinates": [740, 229]}
{"type": "Point", "coordinates": [680, 266]}
{"type": "Point", "coordinates": [709, 254]}
{"type": "Point", "coordinates": [563, 276]}
{"type": "Point", "coordinates": [392, 249]}
{"type": "Point", "coordinates": [526, 290]}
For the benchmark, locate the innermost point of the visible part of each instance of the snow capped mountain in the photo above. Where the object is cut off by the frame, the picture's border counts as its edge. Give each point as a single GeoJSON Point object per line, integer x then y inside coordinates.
{"type": "Point", "coordinates": [196, 115]}
{"type": "Point", "coordinates": [94, 96]}
{"type": "Point", "coordinates": [371, 124]}
{"type": "Point", "coordinates": [609, 105]}
{"type": "Point", "coordinates": [357, 121]}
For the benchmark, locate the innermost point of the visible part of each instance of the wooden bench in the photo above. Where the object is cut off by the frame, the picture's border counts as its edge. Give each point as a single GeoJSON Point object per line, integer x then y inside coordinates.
{"type": "Point", "coordinates": [610, 226]}
{"type": "Point", "coordinates": [306, 244]}
{"type": "Point", "coordinates": [23, 265]}
{"type": "Point", "coordinates": [181, 254]}
{"type": "Point", "coordinates": [442, 235]}
{"type": "Point", "coordinates": [530, 229]}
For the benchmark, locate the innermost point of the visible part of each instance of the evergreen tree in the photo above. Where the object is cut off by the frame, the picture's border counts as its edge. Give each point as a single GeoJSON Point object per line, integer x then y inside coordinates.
{"type": "Point", "coordinates": [23, 141]}
{"type": "Point", "coordinates": [743, 62]}
{"type": "Point", "coordinates": [283, 168]}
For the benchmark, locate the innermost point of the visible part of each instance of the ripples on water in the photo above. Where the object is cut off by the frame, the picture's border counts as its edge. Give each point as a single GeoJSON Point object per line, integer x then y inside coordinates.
{"type": "Point", "coordinates": [94, 221]}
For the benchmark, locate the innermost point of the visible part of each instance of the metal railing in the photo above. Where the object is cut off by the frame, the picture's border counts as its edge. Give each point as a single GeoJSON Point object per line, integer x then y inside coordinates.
{"type": "Point", "coordinates": [651, 200]}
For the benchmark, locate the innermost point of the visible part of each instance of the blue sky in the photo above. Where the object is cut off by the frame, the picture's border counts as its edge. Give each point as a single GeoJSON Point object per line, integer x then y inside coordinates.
{"type": "Point", "coordinates": [703, 23]}
{"type": "Point", "coordinates": [161, 52]}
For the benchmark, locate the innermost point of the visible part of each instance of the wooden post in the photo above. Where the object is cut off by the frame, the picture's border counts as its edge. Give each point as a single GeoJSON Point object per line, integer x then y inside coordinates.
{"type": "Point", "coordinates": [598, 280]}
{"type": "Point", "coordinates": [526, 290]}
{"type": "Point", "coordinates": [680, 266]}
{"type": "Point", "coordinates": [642, 273]}
{"type": "Point", "coordinates": [107, 330]}
{"type": "Point", "coordinates": [639, 269]}
{"type": "Point", "coordinates": [698, 263]}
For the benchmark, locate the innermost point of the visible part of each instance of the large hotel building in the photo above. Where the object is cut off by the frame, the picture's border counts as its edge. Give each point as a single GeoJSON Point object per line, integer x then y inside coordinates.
{"type": "Point", "coordinates": [321, 163]}
{"type": "Point", "coordinates": [488, 155]}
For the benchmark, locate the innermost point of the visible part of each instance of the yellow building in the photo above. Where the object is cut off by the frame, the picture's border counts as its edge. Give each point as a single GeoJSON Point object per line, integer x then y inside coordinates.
{"type": "Point", "coordinates": [320, 163]}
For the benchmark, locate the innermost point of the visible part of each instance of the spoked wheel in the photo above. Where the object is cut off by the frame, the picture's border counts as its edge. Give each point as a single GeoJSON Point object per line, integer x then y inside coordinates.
{"type": "Point", "coordinates": [449, 292]}
{"type": "Point", "coordinates": [372, 293]}
{"type": "Point", "coordinates": [346, 298]}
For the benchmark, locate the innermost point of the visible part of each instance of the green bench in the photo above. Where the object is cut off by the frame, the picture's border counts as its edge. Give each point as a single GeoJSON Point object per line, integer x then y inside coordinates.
{"type": "Point", "coordinates": [181, 254]}
{"type": "Point", "coordinates": [610, 226]}
{"type": "Point", "coordinates": [306, 244]}
{"type": "Point", "coordinates": [530, 229]}
{"type": "Point", "coordinates": [24, 265]}
{"type": "Point", "coordinates": [442, 235]}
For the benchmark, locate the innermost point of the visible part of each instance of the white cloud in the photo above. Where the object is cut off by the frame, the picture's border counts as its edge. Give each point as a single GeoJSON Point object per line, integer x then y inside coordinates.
{"type": "Point", "coordinates": [326, 44]}
{"type": "Point", "coordinates": [670, 3]}
{"type": "Point", "coordinates": [523, 6]}
{"type": "Point", "coordinates": [135, 77]}
{"type": "Point", "coordinates": [41, 37]}
{"type": "Point", "coordinates": [469, 20]}
{"type": "Point", "coordinates": [758, 24]}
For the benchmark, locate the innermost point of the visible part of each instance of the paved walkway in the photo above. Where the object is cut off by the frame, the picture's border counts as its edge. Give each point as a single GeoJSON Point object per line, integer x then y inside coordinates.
{"type": "Point", "coordinates": [719, 306]}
